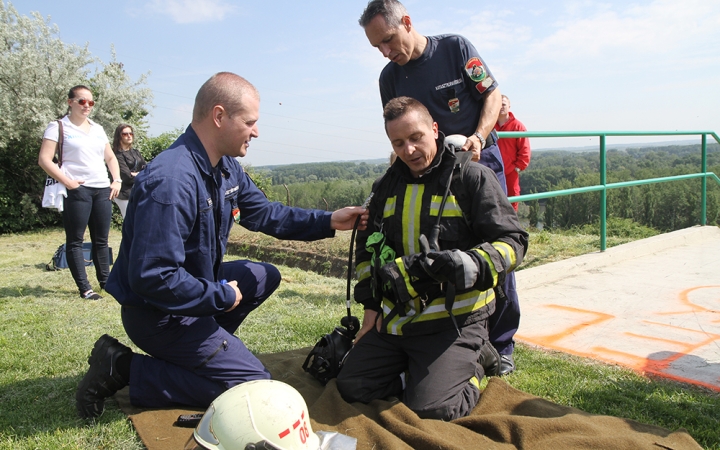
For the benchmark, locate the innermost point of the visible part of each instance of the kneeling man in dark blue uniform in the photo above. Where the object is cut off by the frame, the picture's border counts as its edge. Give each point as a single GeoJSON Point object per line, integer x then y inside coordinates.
{"type": "Point", "coordinates": [180, 303]}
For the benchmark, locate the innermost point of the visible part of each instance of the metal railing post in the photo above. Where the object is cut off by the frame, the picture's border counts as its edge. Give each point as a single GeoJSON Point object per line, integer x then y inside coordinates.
{"type": "Point", "coordinates": [603, 194]}
{"type": "Point", "coordinates": [703, 195]}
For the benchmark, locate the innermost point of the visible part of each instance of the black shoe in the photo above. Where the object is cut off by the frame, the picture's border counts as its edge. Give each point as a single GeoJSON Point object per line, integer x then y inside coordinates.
{"type": "Point", "coordinates": [90, 295]}
{"type": "Point", "coordinates": [507, 364]}
{"type": "Point", "coordinates": [102, 379]}
{"type": "Point", "coordinates": [489, 360]}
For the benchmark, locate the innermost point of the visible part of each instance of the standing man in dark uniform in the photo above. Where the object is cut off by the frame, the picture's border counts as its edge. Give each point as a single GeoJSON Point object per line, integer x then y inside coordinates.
{"type": "Point", "coordinates": [447, 75]}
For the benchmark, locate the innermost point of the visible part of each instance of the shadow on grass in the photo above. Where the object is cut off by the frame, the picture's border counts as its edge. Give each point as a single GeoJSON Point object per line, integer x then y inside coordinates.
{"type": "Point", "coordinates": [668, 405]}
{"type": "Point", "coordinates": [44, 405]}
{"type": "Point", "coordinates": [34, 291]}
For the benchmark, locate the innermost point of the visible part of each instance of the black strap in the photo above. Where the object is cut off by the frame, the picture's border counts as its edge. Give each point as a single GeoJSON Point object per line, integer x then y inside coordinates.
{"type": "Point", "coordinates": [461, 160]}
{"type": "Point", "coordinates": [458, 187]}
{"type": "Point", "coordinates": [59, 146]}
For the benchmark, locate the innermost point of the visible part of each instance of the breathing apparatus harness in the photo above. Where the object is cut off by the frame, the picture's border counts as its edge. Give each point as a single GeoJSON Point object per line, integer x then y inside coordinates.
{"type": "Point", "coordinates": [326, 358]}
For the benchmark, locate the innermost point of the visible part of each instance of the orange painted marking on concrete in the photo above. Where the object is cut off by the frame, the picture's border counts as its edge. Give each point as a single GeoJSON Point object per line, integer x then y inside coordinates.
{"type": "Point", "coordinates": [663, 324]}
{"type": "Point", "coordinates": [692, 307]}
{"type": "Point", "coordinates": [657, 339]}
{"type": "Point", "coordinates": [552, 338]}
{"type": "Point", "coordinates": [704, 333]}
{"type": "Point", "coordinates": [559, 348]}
{"type": "Point", "coordinates": [637, 363]}
{"type": "Point", "coordinates": [656, 368]}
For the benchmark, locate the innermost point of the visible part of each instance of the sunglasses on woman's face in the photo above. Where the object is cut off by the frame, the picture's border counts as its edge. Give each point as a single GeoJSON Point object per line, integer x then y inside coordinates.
{"type": "Point", "coordinates": [125, 133]}
{"type": "Point", "coordinates": [82, 102]}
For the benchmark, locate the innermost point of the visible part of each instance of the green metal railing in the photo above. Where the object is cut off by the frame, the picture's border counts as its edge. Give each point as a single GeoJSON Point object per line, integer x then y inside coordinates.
{"type": "Point", "coordinates": [604, 186]}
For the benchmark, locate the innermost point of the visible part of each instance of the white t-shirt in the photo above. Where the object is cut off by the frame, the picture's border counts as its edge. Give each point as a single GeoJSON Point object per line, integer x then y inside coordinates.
{"type": "Point", "coordinates": [83, 153]}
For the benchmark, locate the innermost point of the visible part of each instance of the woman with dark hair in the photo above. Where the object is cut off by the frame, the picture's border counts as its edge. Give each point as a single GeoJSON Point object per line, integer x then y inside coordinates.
{"type": "Point", "coordinates": [85, 154]}
{"type": "Point", "coordinates": [130, 161]}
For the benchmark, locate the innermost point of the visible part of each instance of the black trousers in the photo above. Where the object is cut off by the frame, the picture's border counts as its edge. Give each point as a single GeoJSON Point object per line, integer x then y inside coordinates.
{"type": "Point", "coordinates": [90, 208]}
{"type": "Point", "coordinates": [441, 370]}
{"type": "Point", "coordinates": [505, 321]}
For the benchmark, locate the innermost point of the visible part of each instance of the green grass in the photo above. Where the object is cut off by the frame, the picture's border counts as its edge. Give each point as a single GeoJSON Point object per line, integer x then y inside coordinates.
{"type": "Point", "coordinates": [47, 331]}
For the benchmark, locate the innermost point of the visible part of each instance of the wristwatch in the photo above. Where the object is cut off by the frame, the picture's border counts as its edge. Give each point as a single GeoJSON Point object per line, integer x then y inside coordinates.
{"type": "Point", "coordinates": [482, 139]}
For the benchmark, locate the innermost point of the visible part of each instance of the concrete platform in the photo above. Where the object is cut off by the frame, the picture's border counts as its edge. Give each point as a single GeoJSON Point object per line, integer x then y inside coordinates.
{"type": "Point", "coordinates": [651, 305]}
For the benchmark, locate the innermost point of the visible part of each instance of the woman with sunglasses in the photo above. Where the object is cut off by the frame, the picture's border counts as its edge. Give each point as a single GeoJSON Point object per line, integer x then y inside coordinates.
{"type": "Point", "coordinates": [85, 154]}
{"type": "Point", "coordinates": [130, 161]}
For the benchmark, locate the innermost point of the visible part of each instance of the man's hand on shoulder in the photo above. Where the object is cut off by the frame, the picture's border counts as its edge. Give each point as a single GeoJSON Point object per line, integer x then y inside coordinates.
{"type": "Point", "coordinates": [344, 219]}
{"type": "Point", "coordinates": [473, 145]}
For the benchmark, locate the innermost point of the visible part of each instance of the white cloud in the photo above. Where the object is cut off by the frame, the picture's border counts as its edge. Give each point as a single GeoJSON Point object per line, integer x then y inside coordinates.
{"type": "Point", "coordinates": [192, 11]}
{"type": "Point", "coordinates": [655, 28]}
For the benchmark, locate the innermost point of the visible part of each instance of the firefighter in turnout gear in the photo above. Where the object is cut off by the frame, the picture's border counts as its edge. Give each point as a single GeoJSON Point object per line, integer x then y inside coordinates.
{"type": "Point", "coordinates": [440, 240]}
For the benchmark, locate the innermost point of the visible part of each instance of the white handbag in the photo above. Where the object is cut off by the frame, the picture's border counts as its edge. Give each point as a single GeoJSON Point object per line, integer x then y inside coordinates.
{"type": "Point", "coordinates": [55, 191]}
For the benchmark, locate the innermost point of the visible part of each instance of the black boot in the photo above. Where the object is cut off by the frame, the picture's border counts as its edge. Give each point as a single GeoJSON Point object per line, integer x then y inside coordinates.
{"type": "Point", "coordinates": [490, 360]}
{"type": "Point", "coordinates": [507, 364]}
{"type": "Point", "coordinates": [102, 380]}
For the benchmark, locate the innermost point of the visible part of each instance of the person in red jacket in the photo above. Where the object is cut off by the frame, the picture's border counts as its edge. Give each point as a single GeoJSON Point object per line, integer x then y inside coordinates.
{"type": "Point", "coordinates": [515, 151]}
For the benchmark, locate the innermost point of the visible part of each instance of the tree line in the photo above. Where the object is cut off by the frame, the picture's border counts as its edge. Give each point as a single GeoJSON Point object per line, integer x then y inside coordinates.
{"type": "Point", "coordinates": [664, 206]}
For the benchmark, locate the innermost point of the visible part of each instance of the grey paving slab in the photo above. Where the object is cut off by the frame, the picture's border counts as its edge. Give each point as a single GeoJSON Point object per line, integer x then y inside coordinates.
{"type": "Point", "coordinates": [651, 305]}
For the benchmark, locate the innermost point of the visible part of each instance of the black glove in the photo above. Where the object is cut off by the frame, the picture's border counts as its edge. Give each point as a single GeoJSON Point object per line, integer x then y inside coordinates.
{"type": "Point", "coordinates": [405, 279]}
{"type": "Point", "coordinates": [453, 266]}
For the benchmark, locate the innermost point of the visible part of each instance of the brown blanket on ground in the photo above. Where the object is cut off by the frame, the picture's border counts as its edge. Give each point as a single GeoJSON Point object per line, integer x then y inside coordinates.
{"type": "Point", "coordinates": [505, 418]}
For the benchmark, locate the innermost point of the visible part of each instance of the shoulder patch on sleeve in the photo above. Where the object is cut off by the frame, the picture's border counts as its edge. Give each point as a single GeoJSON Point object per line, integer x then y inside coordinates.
{"type": "Point", "coordinates": [484, 85]}
{"type": "Point", "coordinates": [475, 69]}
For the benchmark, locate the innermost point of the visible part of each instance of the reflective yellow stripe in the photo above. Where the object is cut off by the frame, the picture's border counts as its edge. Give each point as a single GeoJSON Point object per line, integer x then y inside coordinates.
{"type": "Point", "coordinates": [435, 205]}
{"type": "Point", "coordinates": [492, 267]}
{"type": "Point", "coordinates": [474, 381]}
{"type": "Point", "coordinates": [412, 206]}
{"type": "Point", "coordinates": [395, 325]}
{"type": "Point", "coordinates": [452, 209]}
{"type": "Point", "coordinates": [406, 277]}
{"type": "Point", "coordinates": [464, 304]}
{"type": "Point", "coordinates": [392, 327]}
{"type": "Point", "coordinates": [508, 254]}
{"type": "Point", "coordinates": [362, 270]}
{"type": "Point", "coordinates": [389, 209]}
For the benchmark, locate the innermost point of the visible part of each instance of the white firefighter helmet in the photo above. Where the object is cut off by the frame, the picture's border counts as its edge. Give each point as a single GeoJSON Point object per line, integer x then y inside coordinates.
{"type": "Point", "coordinates": [256, 415]}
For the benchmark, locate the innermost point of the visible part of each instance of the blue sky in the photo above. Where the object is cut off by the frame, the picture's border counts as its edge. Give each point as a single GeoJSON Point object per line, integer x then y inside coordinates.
{"type": "Point", "coordinates": [650, 65]}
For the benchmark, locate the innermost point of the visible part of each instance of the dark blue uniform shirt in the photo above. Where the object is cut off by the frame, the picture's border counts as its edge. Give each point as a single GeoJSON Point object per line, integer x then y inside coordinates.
{"type": "Point", "coordinates": [177, 225]}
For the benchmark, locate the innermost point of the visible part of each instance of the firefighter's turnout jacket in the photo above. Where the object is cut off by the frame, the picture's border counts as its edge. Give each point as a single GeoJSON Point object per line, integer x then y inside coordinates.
{"type": "Point", "coordinates": [403, 208]}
